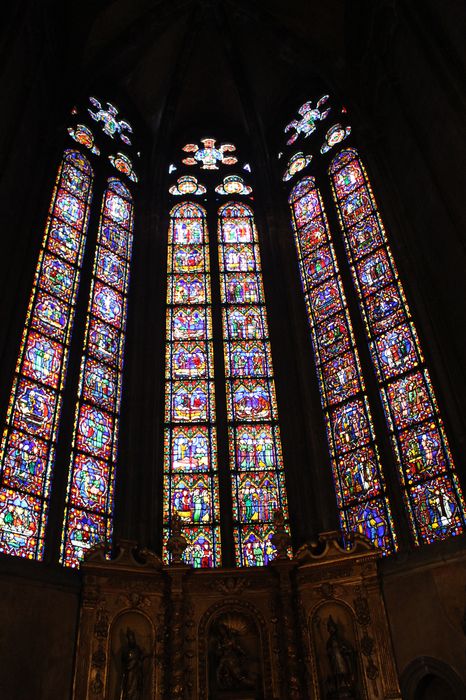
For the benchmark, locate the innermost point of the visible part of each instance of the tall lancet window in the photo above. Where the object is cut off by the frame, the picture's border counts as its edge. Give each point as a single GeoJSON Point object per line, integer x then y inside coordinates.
{"type": "Point", "coordinates": [190, 481]}
{"type": "Point", "coordinates": [430, 487]}
{"type": "Point", "coordinates": [357, 473]}
{"type": "Point", "coordinates": [426, 468]}
{"type": "Point", "coordinates": [236, 322]}
{"type": "Point", "coordinates": [89, 506]}
{"type": "Point", "coordinates": [255, 450]}
{"type": "Point", "coordinates": [32, 422]}
{"type": "Point", "coordinates": [32, 434]}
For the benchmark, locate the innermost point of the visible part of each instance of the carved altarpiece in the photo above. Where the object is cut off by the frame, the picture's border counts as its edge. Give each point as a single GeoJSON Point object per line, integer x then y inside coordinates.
{"type": "Point", "coordinates": [309, 628]}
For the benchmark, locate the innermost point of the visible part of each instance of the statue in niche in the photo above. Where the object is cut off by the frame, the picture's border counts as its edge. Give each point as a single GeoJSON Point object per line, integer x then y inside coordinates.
{"type": "Point", "coordinates": [132, 664]}
{"type": "Point", "coordinates": [232, 660]}
{"type": "Point", "coordinates": [342, 660]}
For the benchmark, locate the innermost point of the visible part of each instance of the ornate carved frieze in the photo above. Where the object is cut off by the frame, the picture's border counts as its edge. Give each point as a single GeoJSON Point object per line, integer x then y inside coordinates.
{"type": "Point", "coordinates": [310, 627]}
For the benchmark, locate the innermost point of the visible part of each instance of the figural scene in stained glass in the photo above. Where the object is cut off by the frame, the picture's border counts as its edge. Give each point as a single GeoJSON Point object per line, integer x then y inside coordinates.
{"type": "Point", "coordinates": [89, 502]}
{"type": "Point", "coordinates": [190, 472]}
{"type": "Point", "coordinates": [30, 430]}
{"type": "Point", "coordinates": [255, 450]}
{"type": "Point", "coordinates": [359, 483]}
{"type": "Point", "coordinates": [426, 468]}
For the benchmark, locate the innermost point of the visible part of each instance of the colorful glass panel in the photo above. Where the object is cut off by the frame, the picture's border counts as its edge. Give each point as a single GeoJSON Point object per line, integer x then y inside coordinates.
{"type": "Point", "coordinates": [258, 485]}
{"type": "Point", "coordinates": [190, 471]}
{"type": "Point", "coordinates": [434, 500]}
{"type": "Point", "coordinates": [29, 438]}
{"type": "Point", "coordinates": [89, 502]}
{"type": "Point", "coordinates": [356, 467]}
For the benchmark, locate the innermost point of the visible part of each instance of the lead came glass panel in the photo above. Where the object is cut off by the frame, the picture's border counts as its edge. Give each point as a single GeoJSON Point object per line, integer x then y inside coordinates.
{"type": "Point", "coordinates": [358, 478]}
{"type": "Point", "coordinates": [190, 472]}
{"type": "Point", "coordinates": [32, 421]}
{"type": "Point", "coordinates": [89, 504]}
{"type": "Point", "coordinates": [258, 484]}
{"type": "Point", "coordinates": [432, 494]}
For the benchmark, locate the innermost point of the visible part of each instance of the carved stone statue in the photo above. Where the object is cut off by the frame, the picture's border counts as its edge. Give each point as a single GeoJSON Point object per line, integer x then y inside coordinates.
{"type": "Point", "coordinates": [176, 543]}
{"type": "Point", "coordinates": [132, 662]}
{"type": "Point", "coordinates": [231, 670]}
{"type": "Point", "coordinates": [341, 656]}
{"type": "Point", "coordinates": [280, 538]}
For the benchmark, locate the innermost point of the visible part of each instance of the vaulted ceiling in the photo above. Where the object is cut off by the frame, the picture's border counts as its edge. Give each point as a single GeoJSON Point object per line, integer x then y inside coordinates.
{"type": "Point", "coordinates": [216, 62]}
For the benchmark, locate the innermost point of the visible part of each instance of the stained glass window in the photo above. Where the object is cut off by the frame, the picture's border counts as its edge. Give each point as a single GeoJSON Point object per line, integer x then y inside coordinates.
{"type": "Point", "coordinates": [190, 473]}
{"type": "Point", "coordinates": [89, 505]}
{"type": "Point", "coordinates": [426, 468]}
{"type": "Point", "coordinates": [359, 483]}
{"type": "Point", "coordinates": [255, 449]}
{"type": "Point", "coordinates": [30, 433]}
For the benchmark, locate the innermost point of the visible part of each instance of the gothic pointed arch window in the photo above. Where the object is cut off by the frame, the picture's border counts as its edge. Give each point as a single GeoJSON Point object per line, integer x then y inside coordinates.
{"type": "Point", "coordinates": [192, 427]}
{"type": "Point", "coordinates": [426, 469]}
{"type": "Point", "coordinates": [89, 502]}
{"type": "Point", "coordinates": [430, 488]}
{"type": "Point", "coordinates": [32, 421]}
{"type": "Point", "coordinates": [32, 429]}
{"type": "Point", "coordinates": [254, 441]}
{"type": "Point", "coordinates": [191, 480]}
{"type": "Point", "coordinates": [356, 466]}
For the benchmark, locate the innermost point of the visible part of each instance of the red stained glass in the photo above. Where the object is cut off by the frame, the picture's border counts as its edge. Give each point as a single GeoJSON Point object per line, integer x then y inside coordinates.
{"type": "Point", "coordinates": [190, 449]}
{"type": "Point", "coordinates": [255, 447]}
{"type": "Point", "coordinates": [84, 530]}
{"type": "Point", "coordinates": [108, 305]}
{"type": "Point", "coordinates": [103, 341]}
{"type": "Point", "coordinates": [255, 456]}
{"type": "Point", "coordinates": [191, 498]}
{"type": "Point", "coordinates": [64, 240]}
{"type": "Point", "coordinates": [189, 361]}
{"type": "Point", "coordinates": [254, 546]}
{"type": "Point", "coordinates": [369, 519]}
{"type": "Point", "coordinates": [111, 269]}
{"type": "Point", "coordinates": [91, 473]}
{"type": "Point", "coordinates": [257, 496]}
{"type": "Point", "coordinates": [423, 452]}
{"type": "Point", "coordinates": [26, 463]}
{"type": "Point", "coordinates": [34, 409]}
{"type": "Point", "coordinates": [355, 462]}
{"type": "Point", "coordinates": [340, 378]}
{"type": "Point", "coordinates": [94, 432]}
{"type": "Point", "coordinates": [115, 238]}
{"type": "Point", "coordinates": [51, 316]}
{"type": "Point", "coordinates": [251, 401]}
{"type": "Point", "coordinates": [89, 487]}
{"type": "Point", "coordinates": [70, 209]}
{"type": "Point", "coordinates": [408, 400]}
{"type": "Point", "coordinates": [117, 209]}
{"type": "Point", "coordinates": [245, 324]}
{"type": "Point", "coordinates": [188, 323]}
{"type": "Point", "coordinates": [359, 477]}
{"type": "Point", "coordinates": [100, 385]}
{"type": "Point", "coordinates": [395, 351]}
{"type": "Point", "coordinates": [325, 300]}
{"type": "Point", "coordinates": [374, 272]}
{"type": "Point", "coordinates": [42, 360]}
{"type": "Point", "coordinates": [190, 479]}
{"type": "Point", "coordinates": [22, 520]}
{"type": "Point", "coordinates": [58, 277]}
{"type": "Point", "coordinates": [435, 504]}
{"type": "Point", "coordinates": [187, 259]}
